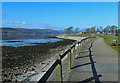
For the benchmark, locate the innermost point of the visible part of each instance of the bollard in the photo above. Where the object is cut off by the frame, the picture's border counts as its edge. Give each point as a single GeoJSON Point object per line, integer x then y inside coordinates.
{"type": "Point", "coordinates": [59, 70]}
{"type": "Point", "coordinates": [69, 60]}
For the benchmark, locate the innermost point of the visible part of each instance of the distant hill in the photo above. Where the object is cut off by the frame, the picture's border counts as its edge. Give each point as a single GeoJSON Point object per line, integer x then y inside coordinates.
{"type": "Point", "coordinates": [22, 33]}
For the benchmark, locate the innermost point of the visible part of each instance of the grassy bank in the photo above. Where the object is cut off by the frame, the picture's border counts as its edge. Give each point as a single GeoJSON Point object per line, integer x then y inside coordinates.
{"type": "Point", "coordinates": [80, 35]}
{"type": "Point", "coordinates": [109, 40]}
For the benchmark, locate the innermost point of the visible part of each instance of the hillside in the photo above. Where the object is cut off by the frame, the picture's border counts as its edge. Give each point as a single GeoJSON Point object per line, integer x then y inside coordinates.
{"type": "Point", "coordinates": [22, 33]}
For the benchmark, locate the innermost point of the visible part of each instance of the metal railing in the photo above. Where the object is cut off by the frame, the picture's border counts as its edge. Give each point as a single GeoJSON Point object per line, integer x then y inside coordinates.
{"type": "Point", "coordinates": [71, 52]}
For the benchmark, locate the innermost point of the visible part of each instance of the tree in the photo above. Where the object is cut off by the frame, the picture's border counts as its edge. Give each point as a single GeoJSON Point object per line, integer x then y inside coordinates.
{"type": "Point", "coordinates": [93, 29]}
{"type": "Point", "coordinates": [65, 31]}
{"type": "Point", "coordinates": [112, 29]}
{"type": "Point", "coordinates": [107, 29]}
{"type": "Point", "coordinates": [68, 30]}
{"type": "Point", "coordinates": [98, 29]}
{"type": "Point", "coordinates": [88, 30]}
{"type": "Point", "coordinates": [76, 30]}
{"type": "Point", "coordinates": [101, 29]}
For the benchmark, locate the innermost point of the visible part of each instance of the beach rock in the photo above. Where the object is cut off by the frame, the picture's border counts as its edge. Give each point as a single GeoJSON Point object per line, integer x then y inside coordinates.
{"type": "Point", "coordinates": [33, 69]}
{"type": "Point", "coordinates": [43, 71]}
{"type": "Point", "coordinates": [30, 72]}
{"type": "Point", "coordinates": [42, 63]}
{"type": "Point", "coordinates": [17, 67]}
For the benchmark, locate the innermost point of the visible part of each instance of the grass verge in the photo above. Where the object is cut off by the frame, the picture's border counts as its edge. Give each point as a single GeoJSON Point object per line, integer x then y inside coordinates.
{"type": "Point", "coordinates": [81, 35]}
{"type": "Point", "coordinates": [109, 40]}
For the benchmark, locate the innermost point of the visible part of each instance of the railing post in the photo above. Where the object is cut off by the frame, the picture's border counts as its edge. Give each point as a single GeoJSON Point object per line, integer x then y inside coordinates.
{"type": "Point", "coordinates": [61, 67]}
{"type": "Point", "coordinates": [87, 40]}
{"type": "Point", "coordinates": [59, 70]}
{"type": "Point", "coordinates": [90, 39]}
{"type": "Point", "coordinates": [69, 60]}
{"type": "Point", "coordinates": [82, 43]}
{"type": "Point", "coordinates": [77, 49]}
{"type": "Point", "coordinates": [73, 56]}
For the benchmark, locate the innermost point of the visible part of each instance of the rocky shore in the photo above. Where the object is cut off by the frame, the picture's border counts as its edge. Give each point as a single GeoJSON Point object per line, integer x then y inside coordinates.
{"type": "Point", "coordinates": [21, 63]}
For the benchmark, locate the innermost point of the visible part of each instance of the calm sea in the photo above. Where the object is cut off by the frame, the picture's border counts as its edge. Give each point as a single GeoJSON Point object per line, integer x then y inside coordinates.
{"type": "Point", "coordinates": [26, 42]}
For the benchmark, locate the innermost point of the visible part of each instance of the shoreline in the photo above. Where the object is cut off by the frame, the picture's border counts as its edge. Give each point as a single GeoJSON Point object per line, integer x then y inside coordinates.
{"type": "Point", "coordinates": [27, 71]}
{"type": "Point", "coordinates": [40, 74]}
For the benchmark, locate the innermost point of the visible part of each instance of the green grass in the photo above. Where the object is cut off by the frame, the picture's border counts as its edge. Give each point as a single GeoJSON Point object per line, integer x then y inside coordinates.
{"type": "Point", "coordinates": [81, 35]}
{"type": "Point", "coordinates": [109, 40]}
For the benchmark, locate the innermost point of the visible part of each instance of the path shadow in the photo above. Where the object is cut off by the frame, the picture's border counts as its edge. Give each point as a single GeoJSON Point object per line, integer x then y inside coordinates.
{"type": "Point", "coordinates": [89, 79]}
{"type": "Point", "coordinates": [93, 66]}
{"type": "Point", "coordinates": [83, 56]}
{"type": "Point", "coordinates": [84, 52]}
{"type": "Point", "coordinates": [83, 65]}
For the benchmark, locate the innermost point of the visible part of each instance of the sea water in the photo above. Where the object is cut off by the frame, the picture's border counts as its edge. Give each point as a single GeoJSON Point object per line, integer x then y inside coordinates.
{"type": "Point", "coordinates": [27, 42]}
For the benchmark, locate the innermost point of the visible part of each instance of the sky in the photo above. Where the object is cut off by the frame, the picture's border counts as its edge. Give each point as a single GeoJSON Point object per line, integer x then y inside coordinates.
{"type": "Point", "coordinates": [59, 15]}
{"type": "Point", "coordinates": [60, 0]}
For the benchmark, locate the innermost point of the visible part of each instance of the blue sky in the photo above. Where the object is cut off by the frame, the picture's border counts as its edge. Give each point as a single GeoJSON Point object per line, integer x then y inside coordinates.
{"type": "Point", "coordinates": [59, 15]}
{"type": "Point", "coordinates": [60, 0]}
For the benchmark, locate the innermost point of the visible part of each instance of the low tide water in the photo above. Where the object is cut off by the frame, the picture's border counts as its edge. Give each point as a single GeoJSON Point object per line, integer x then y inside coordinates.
{"type": "Point", "coordinates": [27, 42]}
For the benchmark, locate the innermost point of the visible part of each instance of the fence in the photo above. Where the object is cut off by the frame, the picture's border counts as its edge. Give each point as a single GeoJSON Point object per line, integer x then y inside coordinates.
{"type": "Point", "coordinates": [72, 52]}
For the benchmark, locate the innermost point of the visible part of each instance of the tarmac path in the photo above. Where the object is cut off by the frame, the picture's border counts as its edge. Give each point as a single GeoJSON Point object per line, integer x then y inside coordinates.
{"type": "Point", "coordinates": [96, 62]}
{"type": "Point", "coordinates": [106, 60]}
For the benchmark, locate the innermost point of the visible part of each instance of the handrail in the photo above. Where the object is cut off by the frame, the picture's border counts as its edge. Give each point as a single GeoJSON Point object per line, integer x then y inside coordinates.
{"type": "Point", "coordinates": [44, 78]}
{"type": "Point", "coordinates": [62, 56]}
{"type": "Point", "coordinates": [48, 73]}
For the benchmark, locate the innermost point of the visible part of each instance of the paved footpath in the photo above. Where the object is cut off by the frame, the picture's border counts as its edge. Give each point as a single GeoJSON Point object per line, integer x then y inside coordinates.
{"type": "Point", "coordinates": [106, 60]}
{"type": "Point", "coordinates": [99, 65]}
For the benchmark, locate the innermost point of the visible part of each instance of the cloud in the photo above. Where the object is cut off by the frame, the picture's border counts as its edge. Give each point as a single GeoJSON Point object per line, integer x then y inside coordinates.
{"type": "Point", "coordinates": [66, 25]}
{"type": "Point", "coordinates": [6, 22]}
{"type": "Point", "coordinates": [13, 22]}
{"type": "Point", "coordinates": [24, 24]}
